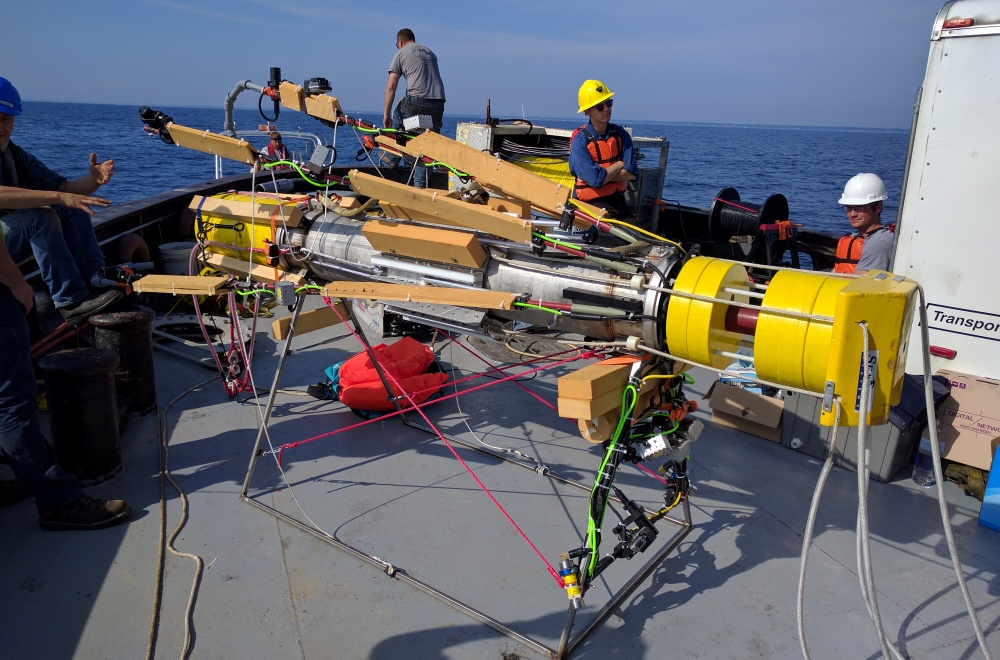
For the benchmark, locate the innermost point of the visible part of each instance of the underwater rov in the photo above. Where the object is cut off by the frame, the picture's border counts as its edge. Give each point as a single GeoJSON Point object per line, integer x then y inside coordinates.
{"type": "Point", "coordinates": [510, 255]}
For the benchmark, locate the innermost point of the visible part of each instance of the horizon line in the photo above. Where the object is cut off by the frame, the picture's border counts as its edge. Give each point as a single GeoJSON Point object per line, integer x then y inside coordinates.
{"type": "Point", "coordinates": [680, 122]}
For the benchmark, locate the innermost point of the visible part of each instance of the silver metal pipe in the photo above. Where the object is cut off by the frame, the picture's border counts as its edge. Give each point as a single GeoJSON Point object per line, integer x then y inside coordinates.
{"type": "Point", "coordinates": [401, 575]}
{"type": "Point", "coordinates": [333, 247]}
{"type": "Point", "coordinates": [735, 356]}
{"type": "Point", "coordinates": [286, 349]}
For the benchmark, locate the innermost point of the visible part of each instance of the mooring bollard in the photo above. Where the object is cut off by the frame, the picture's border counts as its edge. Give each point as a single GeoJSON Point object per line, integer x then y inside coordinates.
{"type": "Point", "coordinates": [128, 333]}
{"type": "Point", "coordinates": [80, 387]}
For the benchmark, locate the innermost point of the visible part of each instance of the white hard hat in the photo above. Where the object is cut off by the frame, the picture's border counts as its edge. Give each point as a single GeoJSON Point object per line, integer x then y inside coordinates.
{"type": "Point", "coordinates": [863, 189]}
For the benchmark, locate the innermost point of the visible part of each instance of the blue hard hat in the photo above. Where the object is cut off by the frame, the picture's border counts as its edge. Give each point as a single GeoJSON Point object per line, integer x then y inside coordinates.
{"type": "Point", "coordinates": [10, 100]}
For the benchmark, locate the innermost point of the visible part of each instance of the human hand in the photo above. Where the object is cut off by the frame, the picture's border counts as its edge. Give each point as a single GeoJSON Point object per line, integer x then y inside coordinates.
{"type": "Point", "coordinates": [83, 202]}
{"type": "Point", "coordinates": [387, 121]}
{"type": "Point", "coordinates": [101, 173]}
{"type": "Point", "coordinates": [614, 172]}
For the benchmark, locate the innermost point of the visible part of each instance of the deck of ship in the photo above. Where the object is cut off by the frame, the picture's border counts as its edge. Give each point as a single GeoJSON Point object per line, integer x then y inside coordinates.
{"type": "Point", "coordinates": [397, 493]}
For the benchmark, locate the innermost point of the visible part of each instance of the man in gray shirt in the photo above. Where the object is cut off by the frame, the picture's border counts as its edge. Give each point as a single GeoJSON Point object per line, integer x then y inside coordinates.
{"type": "Point", "coordinates": [424, 89]}
{"type": "Point", "coordinates": [862, 200]}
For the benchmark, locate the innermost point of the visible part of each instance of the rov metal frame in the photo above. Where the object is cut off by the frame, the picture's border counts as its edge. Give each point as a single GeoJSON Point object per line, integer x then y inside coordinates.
{"type": "Point", "coordinates": [567, 642]}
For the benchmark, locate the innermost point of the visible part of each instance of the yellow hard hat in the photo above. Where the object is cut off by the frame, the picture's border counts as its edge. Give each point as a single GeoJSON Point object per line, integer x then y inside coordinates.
{"type": "Point", "coordinates": [591, 93]}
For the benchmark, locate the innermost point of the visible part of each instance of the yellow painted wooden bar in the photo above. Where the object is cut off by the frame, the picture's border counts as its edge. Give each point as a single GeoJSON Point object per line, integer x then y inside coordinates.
{"type": "Point", "coordinates": [471, 298]}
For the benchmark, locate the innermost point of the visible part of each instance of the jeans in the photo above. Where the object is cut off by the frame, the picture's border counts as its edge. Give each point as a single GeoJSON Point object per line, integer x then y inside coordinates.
{"type": "Point", "coordinates": [21, 439]}
{"type": "Point", "coordinates": [64, 245]}
{"type": "Point", "coordinates": [411, 106]}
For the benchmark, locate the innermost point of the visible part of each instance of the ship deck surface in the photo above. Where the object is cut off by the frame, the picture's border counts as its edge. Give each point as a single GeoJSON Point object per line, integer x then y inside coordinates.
{"type": "Point", "coordinates": [398, 493]}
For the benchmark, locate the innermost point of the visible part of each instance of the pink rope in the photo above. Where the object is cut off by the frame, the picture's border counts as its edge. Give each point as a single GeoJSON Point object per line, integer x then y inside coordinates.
{"type": "Point", "coordinates": [498, 370]}
{"type": "Point", "coordinates": [419, 409]}
{"type": "Point", "coordinates": [651, 473]}
{"type": "Point", "coordinates": [742, 208]}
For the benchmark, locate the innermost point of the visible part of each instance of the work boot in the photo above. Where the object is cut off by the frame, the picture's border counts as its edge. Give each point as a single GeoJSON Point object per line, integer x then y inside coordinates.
{"type": "Point", "coordinates": [13, 490]}
{"type": "Point", "coordinates": [84, 513]}
{"type": "Point", "coordinates": [95, 303]}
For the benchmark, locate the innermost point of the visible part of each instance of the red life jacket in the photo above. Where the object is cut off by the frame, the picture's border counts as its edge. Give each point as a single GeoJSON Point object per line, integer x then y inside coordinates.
{"type": "Point", "coordinates": [604, 151]}
{"type": "Point", "coordinates": [280, 155]}
{"type": "Point", "coordinates": [405, 362]}
{"type": "Point", "coordinates": [849, 250]}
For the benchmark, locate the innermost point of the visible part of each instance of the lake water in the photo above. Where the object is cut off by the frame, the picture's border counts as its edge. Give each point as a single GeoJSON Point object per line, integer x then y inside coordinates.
{"type": "Point", "coordinates": [807, 165]}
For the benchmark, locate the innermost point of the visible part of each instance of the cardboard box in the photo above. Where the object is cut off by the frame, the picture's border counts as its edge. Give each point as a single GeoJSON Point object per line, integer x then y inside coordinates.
{"type": "Point", "coordinates": [989, 516]}
{"type": "Point", "coordinates": [745, 411]}
{"type": "Point", "coordinates": [970, 419]}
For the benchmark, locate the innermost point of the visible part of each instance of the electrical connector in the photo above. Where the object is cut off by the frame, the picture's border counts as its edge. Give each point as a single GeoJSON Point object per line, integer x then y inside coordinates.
{"type": "Point", "coordinates": [285, 293]}
{"type": "Point", "coordinates": [417, 123]}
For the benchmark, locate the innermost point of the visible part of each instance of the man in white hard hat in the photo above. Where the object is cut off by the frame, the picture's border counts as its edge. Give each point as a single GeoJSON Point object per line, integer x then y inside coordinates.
{"type": "Point", "coordinates": [869, 247]}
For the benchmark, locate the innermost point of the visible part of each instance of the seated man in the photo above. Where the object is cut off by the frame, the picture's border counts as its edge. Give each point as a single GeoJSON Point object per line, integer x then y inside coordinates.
{"type": "Point", "coordinates": [601, 156]}
{"type": "Point", "coordinates": [61, 504]}
{"type": "Point", "coordinates": [48, 215]}
{"type": "Point", "coordinates": [870, 245]}
{"type": "Point", "coordinates": [276, 150]}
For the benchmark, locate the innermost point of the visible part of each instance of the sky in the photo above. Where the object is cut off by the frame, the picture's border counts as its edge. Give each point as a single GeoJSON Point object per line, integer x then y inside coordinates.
{"type": "Point", "coordinates": [847, 63]}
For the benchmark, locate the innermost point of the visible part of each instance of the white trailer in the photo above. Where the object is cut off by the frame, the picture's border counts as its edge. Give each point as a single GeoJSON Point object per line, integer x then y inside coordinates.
{"type": "Point", "coordinates": [948, 229]}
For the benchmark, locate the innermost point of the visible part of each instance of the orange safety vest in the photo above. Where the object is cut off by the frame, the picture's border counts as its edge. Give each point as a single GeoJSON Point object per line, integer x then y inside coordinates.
{"type": "Point", "coordinates": [604, 151]}
{"type": "Point", "coordinates": [848, 253]}
{"type": "Point", "coordinates": [849, 250]}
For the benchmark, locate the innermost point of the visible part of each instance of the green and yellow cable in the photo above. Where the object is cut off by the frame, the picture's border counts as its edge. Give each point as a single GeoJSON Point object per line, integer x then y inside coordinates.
{"type": "Point", "coordinates": [555, 241]}
{"type": "Point", "coordinates": [627, 225]}
{"type": "Point", "coordinates": [298, 169]}
{"type": "Point", "coordinates": [596, 517]}
{"type": "Point", "coordinates": [539, 307]}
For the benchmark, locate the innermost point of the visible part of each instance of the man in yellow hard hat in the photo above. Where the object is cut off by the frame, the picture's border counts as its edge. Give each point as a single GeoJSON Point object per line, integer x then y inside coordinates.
{"type": "Point", "coordinates": [601, 156]}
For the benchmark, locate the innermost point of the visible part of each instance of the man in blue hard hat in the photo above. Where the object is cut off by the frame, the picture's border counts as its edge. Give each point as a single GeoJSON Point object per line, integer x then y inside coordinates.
{"type": "Point", "coordinates": [44, 213]}
{"type": "Point", "coordinates": [60, 502]}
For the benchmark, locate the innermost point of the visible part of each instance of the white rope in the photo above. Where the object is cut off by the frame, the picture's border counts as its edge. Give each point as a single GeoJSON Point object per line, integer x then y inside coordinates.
{"type": "Point", "coordinates": [810, 524]}
{"type": "Point", "coordinates": [939, 481]}
{"type": "Point", "coordinates": [863, 540]}
{"type": "Point", "coordinates": [866, 575]}
{"type": "Point", "coordinates": [164, 459]}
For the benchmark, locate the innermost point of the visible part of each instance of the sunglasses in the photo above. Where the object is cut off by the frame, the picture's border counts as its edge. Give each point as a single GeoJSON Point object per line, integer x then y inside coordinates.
{"type": "Point", "coordinates": [857, 207]}
{"type": "Point", "coordinates": [600, 106]}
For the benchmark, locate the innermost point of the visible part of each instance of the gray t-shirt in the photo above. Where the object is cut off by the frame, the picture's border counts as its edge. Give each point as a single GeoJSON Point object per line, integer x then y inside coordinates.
{"type": "Point", "coordinates": [877, 250]}
{"type": "Point", "coordinates": [419, 66]}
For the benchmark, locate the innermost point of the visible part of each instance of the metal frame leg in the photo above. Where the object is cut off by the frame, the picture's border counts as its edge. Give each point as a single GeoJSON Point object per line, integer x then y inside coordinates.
{"type": "Point", "coordinates": [567, 644]}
